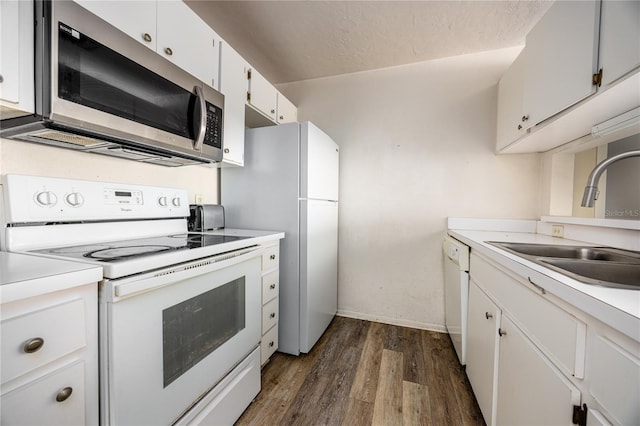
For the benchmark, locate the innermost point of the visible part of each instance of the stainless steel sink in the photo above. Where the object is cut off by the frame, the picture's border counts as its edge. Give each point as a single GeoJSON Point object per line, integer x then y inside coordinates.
{"type": "Point", "coordinates": [604, 266]}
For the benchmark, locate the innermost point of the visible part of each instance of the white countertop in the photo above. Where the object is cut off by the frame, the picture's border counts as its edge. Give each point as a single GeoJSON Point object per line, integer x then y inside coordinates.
{"type": "Point", "coordinates": [257, 236]}
{"type": "Point", "coordinates": [23, 276]}
{"type": "Point", "coordinates": [618, 308]}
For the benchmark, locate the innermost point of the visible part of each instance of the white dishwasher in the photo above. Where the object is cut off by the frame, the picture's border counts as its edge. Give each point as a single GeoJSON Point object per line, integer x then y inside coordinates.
{"type": "Point", "coordinates": [456, 293]}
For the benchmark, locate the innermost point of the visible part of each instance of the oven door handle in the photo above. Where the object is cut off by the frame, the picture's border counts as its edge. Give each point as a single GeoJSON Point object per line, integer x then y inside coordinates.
{"type": "Point", "coordinates": [169, 276]}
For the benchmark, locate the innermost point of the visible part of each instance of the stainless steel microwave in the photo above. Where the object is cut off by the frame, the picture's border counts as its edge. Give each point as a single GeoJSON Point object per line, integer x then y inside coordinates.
{"type": "Point", "coordinates": [98, 90]}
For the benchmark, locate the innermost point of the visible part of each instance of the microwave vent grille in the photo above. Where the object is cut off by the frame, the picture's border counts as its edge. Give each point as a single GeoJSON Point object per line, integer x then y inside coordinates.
{"type": "Point", "coordinates": [68, 138]}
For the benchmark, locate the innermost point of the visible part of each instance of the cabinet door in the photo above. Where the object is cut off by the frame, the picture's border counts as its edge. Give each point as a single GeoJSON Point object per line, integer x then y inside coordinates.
{"type": "Point", "coordinates": [561, 59]}
{"type": "Point", "coordinates": [511, 122]}
{"type": "Point", "coordinates": [287, 111]}
{"type": "Point", "coordinates": [187, 41]}
{"type": "Point", "coordinates": [135, 18]}
{"type": "Point", "coordinates": [530, 389]}
{"type": "Point", "coordinates": [233, 85]}
{"type": "Point", "coordinates": [483, 320]}
{"type": "Point", "coordinates": [619, 39]}
{"type": "Point", "coordinates": [262, 95]}
{"type": "Point", "coordinates": [16, 57]}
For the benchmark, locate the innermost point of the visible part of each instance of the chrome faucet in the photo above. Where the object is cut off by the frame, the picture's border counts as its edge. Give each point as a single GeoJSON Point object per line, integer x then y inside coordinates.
{"type": "Point", "coordinates": [591, 190]}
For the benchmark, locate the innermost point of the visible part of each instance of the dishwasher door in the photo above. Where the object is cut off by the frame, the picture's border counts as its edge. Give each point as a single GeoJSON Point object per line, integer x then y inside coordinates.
{"type": "Point", "coordinates": [456, 293]}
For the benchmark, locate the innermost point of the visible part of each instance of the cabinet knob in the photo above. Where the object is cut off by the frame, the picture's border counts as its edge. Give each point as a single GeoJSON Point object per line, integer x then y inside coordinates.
{"type": "Point", "coordinates": [226, 150]}
{"type": "Point", "coordinates": [487, 315]}
{"type": "Point", "coordinates": [272, 315]}
{"type": "Point", "coordinates": [1, 79]}
{"type": "Point", "coordinates": [168, 51]}
{"type": "Point", "coordinates": [272, 257]}
{"type": "Point", "coordinates": [525, 118]}
{"type": "Point", "coordinates": [519, 126]}
{"type": "Point", "coordinates": [282, 117]}
{"type": "Point", "coordinates": [64, 394]}
{"type": "Point", "coordinates": [33, 345]}
{"type": "Point", "coordinates": [273, 111]}
{"type": "Point", "coordinates": [272, 286]}
{"type": "Point", "coordinates": [271, 344]}
{"type": "Point", "coordinates": [501, 332]}
{"type": "Point", "coordinates": [146, 37]}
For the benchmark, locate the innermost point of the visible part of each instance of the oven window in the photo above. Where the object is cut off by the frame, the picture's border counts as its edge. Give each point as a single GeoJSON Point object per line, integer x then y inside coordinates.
{"type": "Point", "coordinates": [193, 329]}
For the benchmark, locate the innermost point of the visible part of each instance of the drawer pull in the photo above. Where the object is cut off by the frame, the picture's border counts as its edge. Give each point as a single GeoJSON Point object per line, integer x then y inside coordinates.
{"type": "Point", "coordinates": [272, 286]}
{"type": "Point", "coordinates": [542, 290]}
{"type": "Point", "coordinates": [487, 315]}
{"type": "Point", "coordinates": [271, 343]}
{"type": "Point", "coordinates": [64, 394]}
{"type": "Point", "coordinates": [33, 345]}
{"type": "Point", "coordinates": [272, 315]}
{"type": "Point", "coordinates": [501, 332]}
{"type": "Point", "coordinates": [272, 257]}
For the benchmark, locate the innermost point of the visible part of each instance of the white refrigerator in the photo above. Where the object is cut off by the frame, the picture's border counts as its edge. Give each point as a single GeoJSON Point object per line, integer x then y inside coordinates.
{"type": "Point", "coordinates": [289, 183]}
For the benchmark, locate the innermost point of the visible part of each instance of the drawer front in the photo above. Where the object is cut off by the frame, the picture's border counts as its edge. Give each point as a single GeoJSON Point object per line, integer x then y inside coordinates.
{"type": "Point", "coordinates": [268, 345]}
{"type": "Point", "coordinates": [32, 340]}
{"type": "Point", "coordinates": [37, 404]}
{"type": "Point", "coordinates": [561, 336]}
{"type": "Point", "coordinates": [269, 315]}
{"type": "Point", "coordinates": [270, 286]}
{"type": "Point", "coordinates": [271, 257]}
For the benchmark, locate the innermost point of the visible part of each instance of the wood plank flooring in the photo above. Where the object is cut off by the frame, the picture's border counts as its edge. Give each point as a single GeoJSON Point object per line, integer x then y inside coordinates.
{"type": "Point", "coordinates": [366, 373]}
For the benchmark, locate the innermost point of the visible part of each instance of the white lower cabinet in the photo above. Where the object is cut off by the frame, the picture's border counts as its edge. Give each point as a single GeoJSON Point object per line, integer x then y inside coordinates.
{"type": "Point", "coordinates": [270, 301]}
{"type": "Point", "coordinates": [531, 390]}
{"type": "Point", "coordinates": [482, 345]}
{"type": "Point", "coordinates": [535, 359]}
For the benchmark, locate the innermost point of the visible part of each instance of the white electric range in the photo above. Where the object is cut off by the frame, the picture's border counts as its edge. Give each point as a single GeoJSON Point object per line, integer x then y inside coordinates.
{"type": "Point", "coordinates": [179, 312]}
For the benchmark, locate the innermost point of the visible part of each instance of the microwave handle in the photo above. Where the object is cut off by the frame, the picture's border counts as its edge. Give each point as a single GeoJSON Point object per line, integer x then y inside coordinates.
{"type": "Point", "coordinates": [202, 129]}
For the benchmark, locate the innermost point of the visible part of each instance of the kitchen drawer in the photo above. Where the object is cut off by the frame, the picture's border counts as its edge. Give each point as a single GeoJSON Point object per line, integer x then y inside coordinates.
{"type": "Point", "coordinates": [269, 315]}
{"type": "Point", "coordinates": [270, 257]}
{"type": "Point", "coordinates": [559, 335]}
{"type": "Point", "coordinates": [268, 345]}
{"type": "Point", "coordinates": [270, 286]}
{"type": "Point", "coordinates": [36, 403]}
{"type": "Point", "coordinates": [61, 329]}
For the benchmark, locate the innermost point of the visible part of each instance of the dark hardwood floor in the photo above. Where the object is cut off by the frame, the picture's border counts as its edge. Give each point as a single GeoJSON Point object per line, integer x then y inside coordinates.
{"type": "Point", "coordinates": [367, 373]}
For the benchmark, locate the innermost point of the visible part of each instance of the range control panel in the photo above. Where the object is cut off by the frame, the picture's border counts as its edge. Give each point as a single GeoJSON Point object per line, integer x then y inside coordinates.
{"type": "Point", "coordinates": [30, 199]}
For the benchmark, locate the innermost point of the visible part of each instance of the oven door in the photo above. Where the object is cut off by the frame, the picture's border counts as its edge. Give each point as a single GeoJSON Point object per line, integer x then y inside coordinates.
{"type": "Point", "coordinates": [169, 336]}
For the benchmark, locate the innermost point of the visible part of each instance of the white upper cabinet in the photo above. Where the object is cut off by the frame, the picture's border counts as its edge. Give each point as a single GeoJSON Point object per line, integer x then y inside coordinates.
{"type": "Point", "coordinates": [287, 111]}
{"type": "Point", "coordinates": [135, 18]}
{"type": "Point", "coordinates": [187, 41]}
{"type": "Point", "coordinates": [261, 95]}
{"type": "Point", "coordinates": [619, 39]}
{"type": "Point", "coordinates": [561, 59]}
{"type": "Point", "coordinates": [168, 27]}
{"type": "Point", "coordinates": [511, 118]}
{"type": "Point", "coordinates": [16, 58]}
{"type": "Point", "coordinates": [233, 85]}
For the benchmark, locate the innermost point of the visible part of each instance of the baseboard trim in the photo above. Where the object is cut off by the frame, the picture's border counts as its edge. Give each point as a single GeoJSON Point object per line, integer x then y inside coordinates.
{"type": "Point", "coordinates": [393, 321]}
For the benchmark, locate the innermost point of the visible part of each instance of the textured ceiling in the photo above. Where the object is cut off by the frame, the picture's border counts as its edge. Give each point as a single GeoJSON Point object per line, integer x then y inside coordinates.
{"type": "Point", "coordinates": [298, 40]}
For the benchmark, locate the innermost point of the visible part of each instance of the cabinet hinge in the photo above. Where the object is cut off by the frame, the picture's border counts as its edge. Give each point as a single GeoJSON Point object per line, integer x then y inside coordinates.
{"type": "Point", "coordinates": [597, 78]}
{"type": "Point", "coordinates": [580, 415]}
{"type": "Point", "coordinates": [249, 75]}
{"type": "Point", "coordinates": [248, 96]}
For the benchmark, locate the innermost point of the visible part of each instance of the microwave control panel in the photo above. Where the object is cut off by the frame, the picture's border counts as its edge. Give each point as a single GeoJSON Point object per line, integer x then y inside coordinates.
{"type": "Point", "coordinates": [213, 134]}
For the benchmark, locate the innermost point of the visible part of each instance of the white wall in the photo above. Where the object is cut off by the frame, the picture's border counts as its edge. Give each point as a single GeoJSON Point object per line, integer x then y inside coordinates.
{"type": "Point", "coordinates": [34, 159]}
{"type": "Point", "coordinates": [417, 146]}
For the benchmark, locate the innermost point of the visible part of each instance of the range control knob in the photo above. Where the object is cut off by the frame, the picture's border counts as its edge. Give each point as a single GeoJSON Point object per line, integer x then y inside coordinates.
{"type": "Point", "coordinates": [74, 199]}
{"type": "Point", "coordinates": [162, 201]}
{"type": "Point", "coordinates": [46, 198]}
{"type": "Point", "coordinates": [176, 201]}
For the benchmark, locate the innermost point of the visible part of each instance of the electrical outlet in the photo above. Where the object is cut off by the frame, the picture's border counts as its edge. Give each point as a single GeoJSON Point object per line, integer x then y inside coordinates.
{"type": "Point", "coordinates": [199, 199]}
{"type": "Point", "coordinates": [557, 231]}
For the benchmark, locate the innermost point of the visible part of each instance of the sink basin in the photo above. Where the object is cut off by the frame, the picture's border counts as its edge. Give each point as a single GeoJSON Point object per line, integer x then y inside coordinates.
{"type": "Point", "coordinates": [608, 274]}
{"type": "Point", "coordinates": [604, 266]}
{"type": "Point", "coordinates": [571, 252]}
